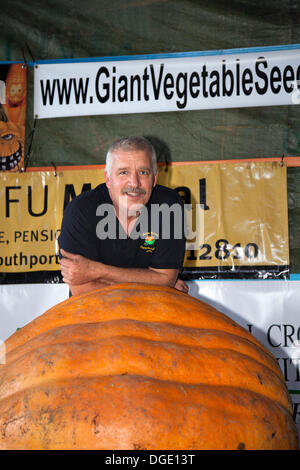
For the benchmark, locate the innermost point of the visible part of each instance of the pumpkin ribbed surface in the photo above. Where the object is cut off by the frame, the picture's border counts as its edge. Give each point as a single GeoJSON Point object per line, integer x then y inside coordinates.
{"type": "Point", "coordinates": [134, 366]}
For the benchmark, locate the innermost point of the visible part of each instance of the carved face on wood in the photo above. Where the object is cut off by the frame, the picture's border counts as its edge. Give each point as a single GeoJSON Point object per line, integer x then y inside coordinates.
{"type": "Point", "coordinates": [16, 85]}
{"type": "Point", "coordinates": [11, 147]}
{"type": "Point", "coordinates": [15, 92]}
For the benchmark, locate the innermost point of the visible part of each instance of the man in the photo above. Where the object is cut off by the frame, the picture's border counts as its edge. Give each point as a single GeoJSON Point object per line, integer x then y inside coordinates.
{"type": "Point", "coordinates": [92, 258]}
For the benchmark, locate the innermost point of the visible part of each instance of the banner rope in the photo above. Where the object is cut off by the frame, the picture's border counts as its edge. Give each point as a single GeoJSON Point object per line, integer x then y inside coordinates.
{"type": "Point", "coordinates": [30, 137]}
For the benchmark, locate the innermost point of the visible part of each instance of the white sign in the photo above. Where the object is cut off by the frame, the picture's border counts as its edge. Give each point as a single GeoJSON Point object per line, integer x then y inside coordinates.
{"type": "Point", "coordinates": [167, 83]}
{"type": "Point", "coordinates": [22, 303]}
{"type": "Point", "coordinates": [270, 311]}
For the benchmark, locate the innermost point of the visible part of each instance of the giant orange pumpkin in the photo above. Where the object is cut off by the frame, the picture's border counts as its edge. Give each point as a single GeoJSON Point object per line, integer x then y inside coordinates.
{"type": "Point", "coordinates": [133, 366]}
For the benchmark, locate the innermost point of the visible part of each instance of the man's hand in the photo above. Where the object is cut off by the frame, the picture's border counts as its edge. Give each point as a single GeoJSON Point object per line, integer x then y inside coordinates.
{"type": "Point", "coordinates": [182, 286]}
{"type": "Point", "coordinates": [77, 269]}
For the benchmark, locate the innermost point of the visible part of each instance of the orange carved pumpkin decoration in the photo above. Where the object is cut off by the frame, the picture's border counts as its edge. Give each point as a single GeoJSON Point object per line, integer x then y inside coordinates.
{"type": "Point", "coordinates": [16, 90]}
{"type": "Point", "coordinates": [133, 366]}
{"type": "Point", "coordinates": [11, 146]}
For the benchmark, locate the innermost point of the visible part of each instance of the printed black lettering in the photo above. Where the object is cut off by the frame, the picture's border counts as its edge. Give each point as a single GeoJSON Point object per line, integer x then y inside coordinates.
{"type": "Point", "coordinates": [8, 260]}
{"type": "Point", "coordinates": [194, 83]}
{"type": "Point", "coordinates": [80, 90]}
{"type": "Point", "coordinates": [156, 85]}
{"type": "Point", "coordinates": [18, 235]}
{"type": "Point", "coordinates": [204, 75]}
{"type": "Point", "coordinates": [105, 86]}
{"type": "Point", "coordinates": [290, 368]}
{"type": "Point", "coordinates": [296, 362]}
{"type": "Point", "coordinates": [237, 77]}
{"type": "Point", "coordinates": [8, 201]}
{"type": "Point", "coordinates": [227, 74]}
{"type": "Point", "coordinates": [168, 83]}
{"type": "Point", "coordinates": [261, 62]}
{"type": "Point", "coordinates": [48, 92]}
{"type": "Point", "coordinates": [44, 235]}
{"type": "Point", "coordinates": [285, 368]}
{"type": "Point", "coordinates": [122, 91]}
{"type": "Point", "coordinates": [205, 255]}
{"type": "Point", "coordinates": [274, 345]}
{"type": "Point", "coordinates": [288, 331]}
{"type": "Point", "coordinates": [64, 89]}
{"type": "Point", "coordinates": [275, 76]}
{"type": "Point", "coordinates": [113, 86]}
{"type": "Point", "coordinates": [34, 235]}
{"type": "Point", "coordinates": [225, 79]}
{"type": "Point", "coordinates": [251, 250]}
{"type": "Point", "coordinates": [192, 256]}
{"type": "Point", "coordinates": [25, 236]}
{"type": "Point", "coordinates": [135, 79]}
{"type": "Point", "coordinates": [288, 76]}
{"type": "Point", "coordinates": [44, 210]}
{"type": "Point", "coordinates": [202, 192]}
{"type": "Point", "coordinates": [214, 87]}
{"type": "Point", "coordinates": [181, 90]}
{"type": "Point", "coordinates": [222, 252]}
{"type": "Point", "coordinates": [247, 79]}
{"type": "Point", "coordinates": [23, 259]}
{"type": "Point", "coordinates": [145, 79]}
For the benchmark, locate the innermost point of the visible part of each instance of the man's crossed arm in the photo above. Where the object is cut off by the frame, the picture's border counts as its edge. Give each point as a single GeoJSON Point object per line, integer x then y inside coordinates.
{"type": "Point", "coordinates": [83, 275]}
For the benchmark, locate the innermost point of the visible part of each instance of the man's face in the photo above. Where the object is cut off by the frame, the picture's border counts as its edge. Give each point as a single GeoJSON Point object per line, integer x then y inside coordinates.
{"type": "Point", "coordinates": [131, 180]}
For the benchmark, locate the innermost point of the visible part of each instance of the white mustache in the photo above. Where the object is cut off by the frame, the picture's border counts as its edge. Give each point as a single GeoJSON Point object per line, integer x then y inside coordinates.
{"type": "Point", "coordinates": [133, 190]}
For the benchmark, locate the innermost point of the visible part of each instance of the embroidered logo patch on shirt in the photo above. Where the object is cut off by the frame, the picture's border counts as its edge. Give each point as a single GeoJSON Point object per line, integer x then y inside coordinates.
{"type": "Point", "coordinates": [149, 242]}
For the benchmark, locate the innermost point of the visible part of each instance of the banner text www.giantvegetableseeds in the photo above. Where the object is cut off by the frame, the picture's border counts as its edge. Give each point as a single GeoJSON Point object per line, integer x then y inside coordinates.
{"type": "Point", "coordinates": [155, 82]}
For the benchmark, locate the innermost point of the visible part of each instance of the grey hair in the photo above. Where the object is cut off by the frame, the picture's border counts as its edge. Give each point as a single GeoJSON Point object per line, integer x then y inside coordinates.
{"type": "Point", "coordinates": [131, 143]}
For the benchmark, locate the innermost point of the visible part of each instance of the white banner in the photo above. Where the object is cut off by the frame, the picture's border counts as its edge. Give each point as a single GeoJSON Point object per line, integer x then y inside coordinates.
{"type": "Point", "coordinates": [270, 311]}
{"type": "Point", "coordinates": [22, 303]}
{"type": "Point", "coordinates": [171, 82]}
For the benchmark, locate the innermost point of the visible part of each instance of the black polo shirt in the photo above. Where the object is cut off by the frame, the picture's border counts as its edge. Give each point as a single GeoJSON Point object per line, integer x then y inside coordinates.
{"type": "Point", "coordinates": [157, 240]}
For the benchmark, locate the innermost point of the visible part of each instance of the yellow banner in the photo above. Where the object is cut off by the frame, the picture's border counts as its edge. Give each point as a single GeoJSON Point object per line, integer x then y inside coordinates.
{"type": "Point", "coordinates": [236, 214]}
{"type": "Point", "coordinates": [242, 213]}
